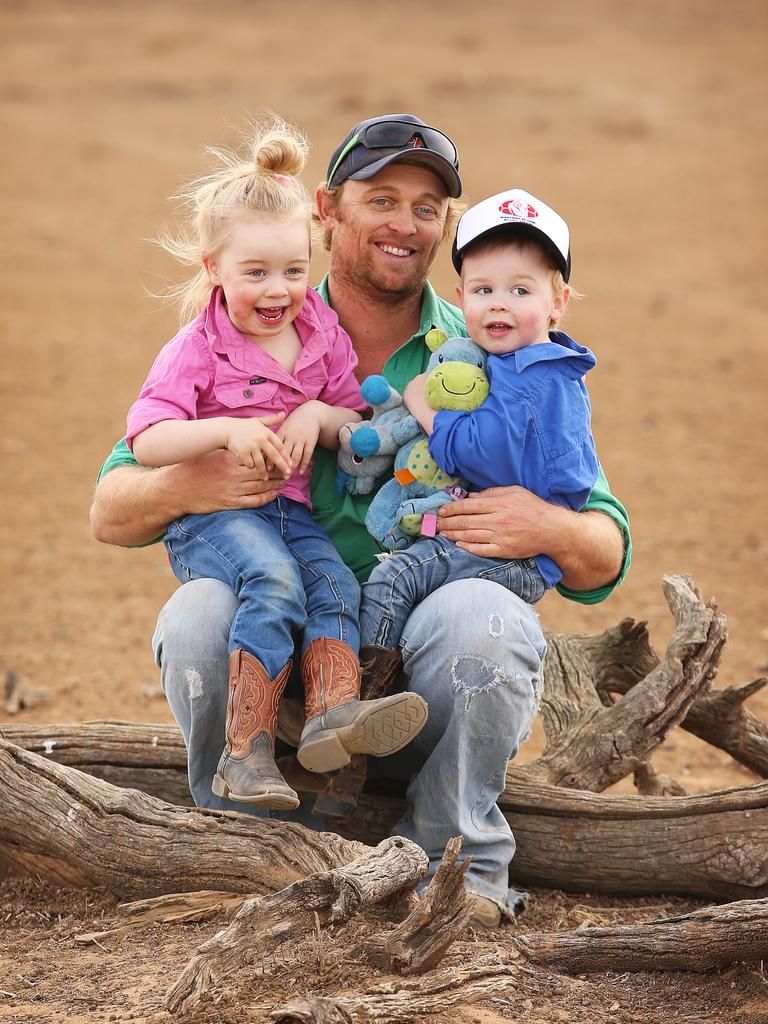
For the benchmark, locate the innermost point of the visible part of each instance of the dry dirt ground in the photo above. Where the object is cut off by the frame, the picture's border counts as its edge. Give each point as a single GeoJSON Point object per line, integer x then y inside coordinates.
{"type": "Point", "coordinates": [643, 123]}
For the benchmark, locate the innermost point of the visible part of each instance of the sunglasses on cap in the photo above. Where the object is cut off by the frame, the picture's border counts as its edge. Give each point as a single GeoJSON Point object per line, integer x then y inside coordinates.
{"type": "Point", "coordinates": [397, 135]}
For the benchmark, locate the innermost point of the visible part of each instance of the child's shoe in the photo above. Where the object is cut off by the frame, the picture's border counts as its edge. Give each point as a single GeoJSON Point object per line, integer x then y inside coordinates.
{"type": "Point", "coordinates": [338, 723]}
{"type": "Point", "coordinates": [247, 772]}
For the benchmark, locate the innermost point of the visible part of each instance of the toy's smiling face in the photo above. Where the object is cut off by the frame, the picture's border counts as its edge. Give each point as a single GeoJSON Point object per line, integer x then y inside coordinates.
{"type": "Point", "coordinates": [457, 386]}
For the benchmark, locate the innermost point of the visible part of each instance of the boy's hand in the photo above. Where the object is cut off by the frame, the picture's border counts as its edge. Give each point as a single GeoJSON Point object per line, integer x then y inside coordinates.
{"type": "Point", "coordinates": [299, 433]}
{"type": "Point", "coordinates": [256, 446]}
{"type": "Point", "coordinates": [416, 403]}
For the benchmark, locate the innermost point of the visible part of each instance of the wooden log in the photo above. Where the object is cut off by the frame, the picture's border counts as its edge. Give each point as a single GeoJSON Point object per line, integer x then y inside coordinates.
{"type": "Point", "coordinates": [708, 846]}
{"type": "Point", "coordinates": [490, 975]}
{"type": "Point", "coordinates": [77, 830]}
{"type": "Point", "coordinates": [700, 941]}
{"type": "Point", "coordinates": [264, 923]}
{"type": "Point", "coordinates": [421, 940]}
{"type": "Point", "coordinates": [590, 746]}
{"type": "Point", "coordinates": [712, 845]}
{"type": "Point", "coordinates": [148, 757]}
{"type": "Point", "coordinates": [720, 719]}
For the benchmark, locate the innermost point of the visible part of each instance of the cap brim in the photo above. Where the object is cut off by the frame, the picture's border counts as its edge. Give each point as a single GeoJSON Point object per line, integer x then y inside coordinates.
{"type": "Point", "coordinates": [526, 230]}
{"type": "Point", "coordinates": [445, 171]}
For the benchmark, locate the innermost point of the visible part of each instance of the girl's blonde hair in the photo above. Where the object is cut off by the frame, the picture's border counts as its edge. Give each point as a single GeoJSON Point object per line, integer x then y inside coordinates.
{"type": "Point", "coordinates": [262, 182]}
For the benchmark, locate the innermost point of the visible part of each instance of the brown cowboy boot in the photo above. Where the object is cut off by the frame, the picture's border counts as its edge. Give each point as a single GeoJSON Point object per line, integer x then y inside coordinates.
{"type": "Point", "coordinates": [338, 723]}
{"type": "Point", "coordinates": [247, 771]}
{"type": "Point", "coordinates": [380, 667]}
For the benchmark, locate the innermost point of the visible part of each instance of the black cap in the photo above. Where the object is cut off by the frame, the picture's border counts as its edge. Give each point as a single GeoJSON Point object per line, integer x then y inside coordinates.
{"type": "Point", "coordinates": [373, 144]}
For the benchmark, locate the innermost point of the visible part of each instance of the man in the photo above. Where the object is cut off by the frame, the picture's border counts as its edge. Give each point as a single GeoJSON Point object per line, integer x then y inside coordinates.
{"type": "Point", "coordinates": [472, 650]}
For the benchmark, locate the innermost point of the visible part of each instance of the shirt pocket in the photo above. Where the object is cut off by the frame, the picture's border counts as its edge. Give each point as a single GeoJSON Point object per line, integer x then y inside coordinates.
{"type": "Point", "coordinates": [249, 396]}
{"type": "Point", "coordinates": [313, 383]}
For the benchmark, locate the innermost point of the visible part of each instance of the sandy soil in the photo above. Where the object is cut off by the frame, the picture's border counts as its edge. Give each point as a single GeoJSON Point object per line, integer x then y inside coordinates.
{"type": "Point", "coordinates": [642, 123]}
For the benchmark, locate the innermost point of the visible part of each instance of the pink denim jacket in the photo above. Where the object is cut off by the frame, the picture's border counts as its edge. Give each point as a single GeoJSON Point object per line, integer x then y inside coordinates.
{"type": "Point", "coordinates": [210, 369]}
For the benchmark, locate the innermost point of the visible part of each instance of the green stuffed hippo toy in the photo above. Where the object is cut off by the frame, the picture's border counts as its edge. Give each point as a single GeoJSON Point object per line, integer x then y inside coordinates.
{"type": "Point", "coordinates": [456, 380]}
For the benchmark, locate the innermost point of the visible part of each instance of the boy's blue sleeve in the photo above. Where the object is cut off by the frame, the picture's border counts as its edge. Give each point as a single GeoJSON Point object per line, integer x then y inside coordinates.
{"type": "Point", "coordinates": [485, 446]}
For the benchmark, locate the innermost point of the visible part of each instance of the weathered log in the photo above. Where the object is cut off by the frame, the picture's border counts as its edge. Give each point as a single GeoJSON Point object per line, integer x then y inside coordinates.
{"type": "Point", "coordinates": [175, 908]}
{"type": "Point", "coordinates": [264, 923]}
{"type": "Point", "coordinates": [148, 757]}
{"type": "Point", "coordinates": [711, 845]}
{"type": "Point", "coordinates": [77, 830]}
{"type": "Point", "coordinates": [490, 975]}
{"type": "Point", "coordinates": [708, 846]}
{"type": "Point", "coordinates": [420, 941]}
{"type": "Point", "coordinates": [699, 941]}
{"type": "Point", "coordinates": [590, 746]}
{"type": "Point", "coordinates": [720, 719]}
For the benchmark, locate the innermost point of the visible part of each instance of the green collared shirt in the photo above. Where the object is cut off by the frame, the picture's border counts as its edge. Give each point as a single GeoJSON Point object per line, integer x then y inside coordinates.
{"type": "Point", "coordinates": [343, 515]}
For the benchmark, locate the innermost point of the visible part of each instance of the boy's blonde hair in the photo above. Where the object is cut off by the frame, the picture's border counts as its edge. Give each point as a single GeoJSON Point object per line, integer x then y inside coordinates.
{"type": "Point", "coordinates": [262, 182]}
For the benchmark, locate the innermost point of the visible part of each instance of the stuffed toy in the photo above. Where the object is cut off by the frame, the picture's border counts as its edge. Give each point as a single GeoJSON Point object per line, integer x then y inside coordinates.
{"type": "Point", "coordinates": [367, 449]}
{"type": "Point", "coordinates": [405, 506]}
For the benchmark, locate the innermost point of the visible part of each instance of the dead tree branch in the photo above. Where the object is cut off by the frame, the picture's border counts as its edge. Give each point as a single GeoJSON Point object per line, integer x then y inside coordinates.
{"type": "Point", "coordinates": [590, 746]}
{"type": "Point", "coordinates": [420, 941]}
{"type": "Point", "coordinates": [264, 923]}
{"type": "Point", "coordinates": [699, 941]}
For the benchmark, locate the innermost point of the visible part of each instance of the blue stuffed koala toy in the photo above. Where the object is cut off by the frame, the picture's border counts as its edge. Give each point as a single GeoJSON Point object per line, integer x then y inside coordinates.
{"type": "Point", "coordinates": [456, 380]}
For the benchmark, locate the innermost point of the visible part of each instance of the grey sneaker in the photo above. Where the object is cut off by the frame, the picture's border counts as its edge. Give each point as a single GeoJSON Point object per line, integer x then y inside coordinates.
{"type": "Point", "coordinates": [377, 727]}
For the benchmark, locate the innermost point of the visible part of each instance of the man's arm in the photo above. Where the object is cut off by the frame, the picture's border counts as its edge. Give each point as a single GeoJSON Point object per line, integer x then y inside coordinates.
{"type": "Point", "coordinates": [511, 522]}
{"type": "Point", "coordinates": [134, 505]}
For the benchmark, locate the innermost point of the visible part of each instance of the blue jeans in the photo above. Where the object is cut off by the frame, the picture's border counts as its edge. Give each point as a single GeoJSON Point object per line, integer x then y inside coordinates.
{"type": "Point", "coordinates": [405, 578]}
{"type": "Point", "coordinates": [284, 570]}
{"type": "Point", "coordinates": [474, 652]}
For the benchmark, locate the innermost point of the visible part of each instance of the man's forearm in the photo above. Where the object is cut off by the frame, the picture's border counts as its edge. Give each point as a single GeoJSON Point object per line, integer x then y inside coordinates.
{"type": "Point", "coordinates": [134, 505]}
{"type": "Point", "coordinates": [587, 546]}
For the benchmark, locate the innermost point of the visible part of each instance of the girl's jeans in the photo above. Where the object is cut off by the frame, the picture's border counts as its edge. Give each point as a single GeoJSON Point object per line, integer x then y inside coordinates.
{"type": "Point", "coordinates": [402, 580]}
{"type": "Point", "coordinates": [282, 567]}
{"type": "Point", "coordinates": [473, 651]}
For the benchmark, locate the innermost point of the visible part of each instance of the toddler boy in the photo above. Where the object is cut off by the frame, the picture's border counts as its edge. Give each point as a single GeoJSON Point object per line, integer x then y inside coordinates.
{"type": "Point", "coordinates": [513, 254]}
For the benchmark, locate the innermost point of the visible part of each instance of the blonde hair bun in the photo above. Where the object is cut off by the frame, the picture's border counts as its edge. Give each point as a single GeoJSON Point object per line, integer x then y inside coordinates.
{"type": "Point", "coordinates": [266, 184]}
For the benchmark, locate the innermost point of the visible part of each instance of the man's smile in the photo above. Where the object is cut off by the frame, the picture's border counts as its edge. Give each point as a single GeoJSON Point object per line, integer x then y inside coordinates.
{"type": "Point", "coordinates": [394, 250]}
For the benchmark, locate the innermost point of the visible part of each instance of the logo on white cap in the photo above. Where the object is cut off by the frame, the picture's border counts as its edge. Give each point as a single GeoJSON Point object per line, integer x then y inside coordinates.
{"type": "Point", "coordinates": [518, 209]}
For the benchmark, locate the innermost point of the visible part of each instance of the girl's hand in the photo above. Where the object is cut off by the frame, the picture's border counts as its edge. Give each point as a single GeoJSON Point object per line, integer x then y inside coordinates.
{"type": "Point", "coordinates": [299, 433]}
{"type": "Point", "coordinates": [256, 446]}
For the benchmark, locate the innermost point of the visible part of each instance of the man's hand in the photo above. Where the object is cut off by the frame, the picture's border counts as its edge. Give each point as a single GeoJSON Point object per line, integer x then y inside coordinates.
{"type": "Point", "coordinates": [256, 446]}
{"type": "Point", "coordinates": [300, 431]}
{"type": "Point", "coordinates": [216, 481]}
{"type": "Point", "coordinates": [134, 505]}
{"type": "Point", "coordinates": [511, 522]}
{"type": "Point", "coordinates": [501, 522]}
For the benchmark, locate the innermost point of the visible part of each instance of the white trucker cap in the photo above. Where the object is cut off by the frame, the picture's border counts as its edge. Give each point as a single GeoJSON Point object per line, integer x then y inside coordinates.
{"type": "Point", "coordinates": [516, 209]}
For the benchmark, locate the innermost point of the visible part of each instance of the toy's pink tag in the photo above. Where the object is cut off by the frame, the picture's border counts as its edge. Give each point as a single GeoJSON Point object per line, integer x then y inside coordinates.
{"type": "Point", "coordinates": [428, 524]}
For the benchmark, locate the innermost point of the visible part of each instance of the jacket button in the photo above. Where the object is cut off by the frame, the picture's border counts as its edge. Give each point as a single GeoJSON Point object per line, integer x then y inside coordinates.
{"type": "Point", "coordinates": [248, 393]}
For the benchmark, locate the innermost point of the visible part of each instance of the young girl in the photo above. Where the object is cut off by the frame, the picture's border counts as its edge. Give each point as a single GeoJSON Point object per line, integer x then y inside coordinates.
{"type": "Point", "coordinates": [265, 370]}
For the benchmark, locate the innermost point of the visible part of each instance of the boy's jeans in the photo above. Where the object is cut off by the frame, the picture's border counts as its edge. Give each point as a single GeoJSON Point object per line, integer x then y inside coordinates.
{"type": "Point", "coordinates": [284, 569]}
{"type": "Point", "coordinates": [472, 650]}
{"type": "Point", "coordinates": [405, 578]}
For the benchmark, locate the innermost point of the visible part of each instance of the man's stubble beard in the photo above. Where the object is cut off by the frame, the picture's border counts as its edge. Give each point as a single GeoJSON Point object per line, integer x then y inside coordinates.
{"type": "Point", "coordinates": [380, 287]}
